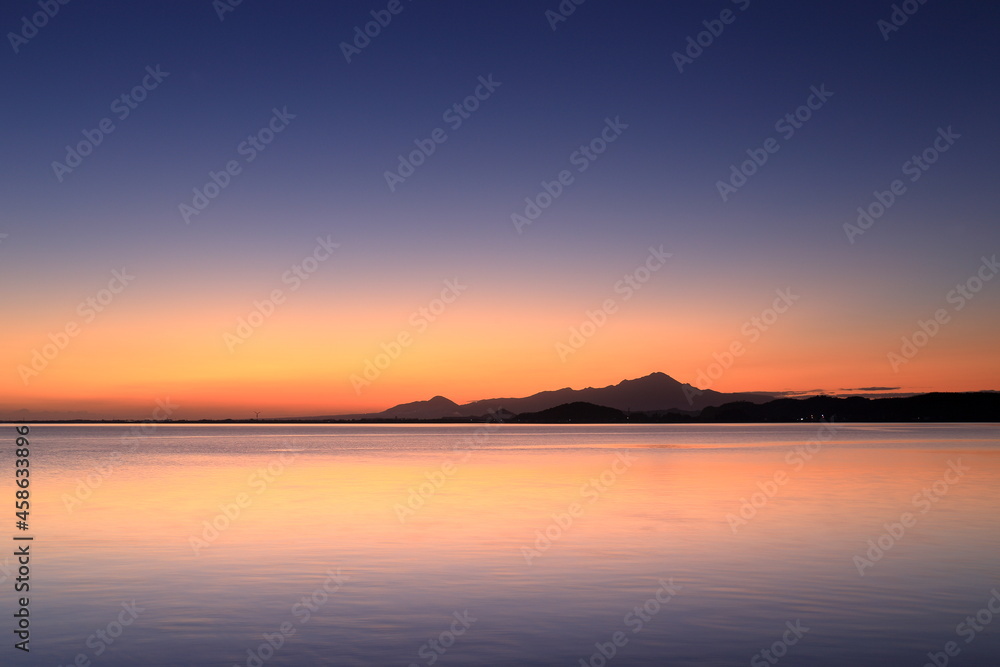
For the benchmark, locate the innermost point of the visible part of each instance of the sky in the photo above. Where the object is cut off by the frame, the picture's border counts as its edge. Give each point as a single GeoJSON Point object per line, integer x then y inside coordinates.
{"type": "Point", "coordinates": [308, 208]}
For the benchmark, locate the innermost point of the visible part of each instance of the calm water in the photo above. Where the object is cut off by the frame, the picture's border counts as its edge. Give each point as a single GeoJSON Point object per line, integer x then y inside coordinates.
{"type": "Point", "coordinates": [511, 545]}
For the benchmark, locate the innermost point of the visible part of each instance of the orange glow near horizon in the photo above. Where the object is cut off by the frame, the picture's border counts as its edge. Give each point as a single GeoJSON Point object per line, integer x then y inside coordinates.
{"type": "Point", "coordinates": [301, 361]}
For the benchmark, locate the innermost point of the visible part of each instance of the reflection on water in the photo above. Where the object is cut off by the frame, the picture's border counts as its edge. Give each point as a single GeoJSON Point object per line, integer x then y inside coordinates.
{"type": "Point", "coordinates": [502, 545]}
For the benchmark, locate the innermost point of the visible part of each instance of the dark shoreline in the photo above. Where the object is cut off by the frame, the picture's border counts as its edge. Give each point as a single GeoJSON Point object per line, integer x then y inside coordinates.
{"type": "Point", "coordinates": [970, 407]}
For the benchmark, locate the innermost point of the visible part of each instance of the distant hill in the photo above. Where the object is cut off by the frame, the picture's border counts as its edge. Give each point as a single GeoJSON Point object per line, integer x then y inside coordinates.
{"type": "Point", "coordinates": [577, 413]}
{"type": "Point", "coordinates": [657, 392]}
{"type": "Point", "coordinates": [936, 407]}
{"type": "Point", "coordinates": [439, 406]}
{"type": "Point", "coordinates": [983, 406]}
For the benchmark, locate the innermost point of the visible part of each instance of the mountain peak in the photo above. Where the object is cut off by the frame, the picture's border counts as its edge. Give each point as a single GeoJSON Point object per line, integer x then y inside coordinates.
{"type": "Point", "coordinates": [441, 400]}
{"type": "Point", "coordinates": [656, 377]}
{"type": "Point", "coordinates": [435, 408]}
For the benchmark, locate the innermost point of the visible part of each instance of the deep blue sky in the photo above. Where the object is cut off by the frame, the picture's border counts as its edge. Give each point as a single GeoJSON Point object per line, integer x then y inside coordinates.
{"type": "Point", "coordinates": [657, 184]}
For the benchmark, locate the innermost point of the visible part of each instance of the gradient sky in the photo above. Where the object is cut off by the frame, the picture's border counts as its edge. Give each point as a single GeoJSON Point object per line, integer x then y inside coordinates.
{"type": "Point", "coordinates": [164, 335]}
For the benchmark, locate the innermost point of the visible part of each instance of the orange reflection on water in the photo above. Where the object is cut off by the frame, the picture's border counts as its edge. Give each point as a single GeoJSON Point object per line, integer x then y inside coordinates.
{"type": "Point", "coordinates": [420, 511]}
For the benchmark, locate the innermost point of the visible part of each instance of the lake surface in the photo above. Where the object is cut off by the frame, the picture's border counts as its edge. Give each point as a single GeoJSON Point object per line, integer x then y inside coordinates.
{"type": "Point", "coordinates": [511, 545]}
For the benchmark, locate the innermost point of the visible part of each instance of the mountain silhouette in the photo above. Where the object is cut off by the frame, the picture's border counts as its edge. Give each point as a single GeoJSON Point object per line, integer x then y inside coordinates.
{"type": "Point", "coordinates": [652, 393]}
{"type": "Point", "coordinates": [576, 413]}
{"type": "Point", "coordinates": [656, 392]}
{"type": "Point", "coordinates": [439, 406]}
